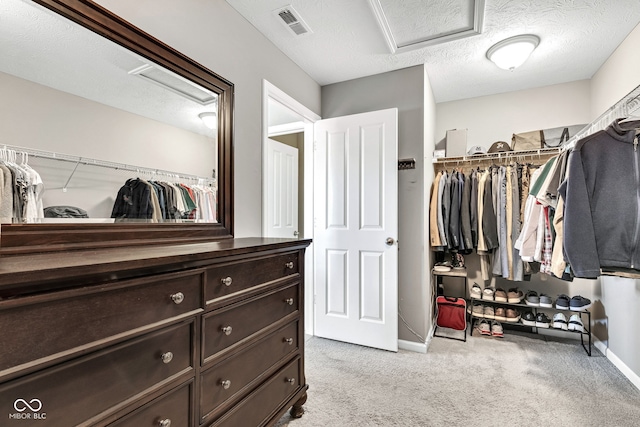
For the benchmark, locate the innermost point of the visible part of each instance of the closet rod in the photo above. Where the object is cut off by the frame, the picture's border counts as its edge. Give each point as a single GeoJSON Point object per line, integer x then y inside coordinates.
{"type": "Point", "coordinates": [625, 107]}
{"type": "Point", "coordinates": [103, 163]}
{"type": "Point", "coordinates": [503, 156]}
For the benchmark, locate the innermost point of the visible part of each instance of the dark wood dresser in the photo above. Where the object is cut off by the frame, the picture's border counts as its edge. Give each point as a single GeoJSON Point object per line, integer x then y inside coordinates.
{"type": "Point", "coordinates": [207, 334]}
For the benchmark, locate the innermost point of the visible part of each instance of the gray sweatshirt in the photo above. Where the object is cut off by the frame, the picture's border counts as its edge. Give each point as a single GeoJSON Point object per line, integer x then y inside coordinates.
{"type": "Point", "coordinates": [602, 201]}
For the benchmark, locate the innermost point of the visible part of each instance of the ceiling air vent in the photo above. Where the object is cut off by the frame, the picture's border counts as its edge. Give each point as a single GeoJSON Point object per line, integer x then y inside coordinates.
{"type": "Point", "coordinates": [291, 19]}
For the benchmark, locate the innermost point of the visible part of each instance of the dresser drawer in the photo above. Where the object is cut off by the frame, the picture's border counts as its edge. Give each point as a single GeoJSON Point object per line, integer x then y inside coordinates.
{"type": "Point", "coordinates": [261, 405]}
{"type": "Point", "coordinates": [76, 318]}
{"type": "Point", "coordinates": [228, 326]}
{"type": "Point", "coordinates": [226, 380]}
{"type": "Point", "coordinates": [171, 409]}
{"type": "Point", "coordinates": [86, 387]}
{"type": "Point", "coordinates": [231, 278]}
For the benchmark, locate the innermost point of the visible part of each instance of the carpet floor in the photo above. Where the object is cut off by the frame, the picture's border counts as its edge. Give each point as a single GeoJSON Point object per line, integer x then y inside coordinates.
{"type": "Point", "coordinates": [519, 380]}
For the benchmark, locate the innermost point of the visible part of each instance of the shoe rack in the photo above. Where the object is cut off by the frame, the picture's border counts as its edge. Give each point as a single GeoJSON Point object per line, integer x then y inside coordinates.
{"type": "Point", "coordinates": [585, 336]}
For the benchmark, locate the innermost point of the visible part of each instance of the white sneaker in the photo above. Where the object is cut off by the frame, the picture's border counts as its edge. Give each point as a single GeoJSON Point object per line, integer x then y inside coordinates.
{"type": "Point", "coordinates": [560, 321]}
{"type": "Point", "coordinates": [575, 323]}
{"type": "Point", "coordinates": [475, 292]}
{"type": "Point", "coordinates": [487, 293]}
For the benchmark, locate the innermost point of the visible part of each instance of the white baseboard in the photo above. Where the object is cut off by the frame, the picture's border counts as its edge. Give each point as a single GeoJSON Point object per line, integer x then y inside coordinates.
{"type": "Point", "coordinates": [622, 367]}
{"type": "Point", "coordinates": [417, 347]}
{"type": "Point", "coordinates": [601, 346]}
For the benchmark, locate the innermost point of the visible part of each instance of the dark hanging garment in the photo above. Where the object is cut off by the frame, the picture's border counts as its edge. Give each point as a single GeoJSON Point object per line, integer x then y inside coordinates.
{"type": "Point", "coordinates": [602, 202]}
{"type": "Point", "coordinates": [473, 208]}
{"type": "Point", "coordinates": [446, 208]}
{"type": "Point", "coordinates": [465, 214]}
{"type": "Point", "coordinates": [133, 201]}
{"type": "Point", "coordinates": [489, 221]}
{"type": "Point", "coordinates": [453, 237]}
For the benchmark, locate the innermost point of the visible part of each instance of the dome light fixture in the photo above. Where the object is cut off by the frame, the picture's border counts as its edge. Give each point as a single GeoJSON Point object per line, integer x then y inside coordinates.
{"type": "Point", "coordinates": [511, 53]}
{"type": "Point", "coordinates": [210, 119]}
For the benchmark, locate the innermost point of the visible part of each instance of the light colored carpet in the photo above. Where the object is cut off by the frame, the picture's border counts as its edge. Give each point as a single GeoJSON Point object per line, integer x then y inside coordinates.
{"type": "Point", "coordinates": [520, 380]}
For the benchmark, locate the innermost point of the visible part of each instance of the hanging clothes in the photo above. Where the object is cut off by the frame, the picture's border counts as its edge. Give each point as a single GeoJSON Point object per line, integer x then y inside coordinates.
{"type": "Point", "coordinates": [433, 212]}
{"type": "Point", "coordinates": [158, 201]}
{"type": "Point", "coordinates": [602, 201]}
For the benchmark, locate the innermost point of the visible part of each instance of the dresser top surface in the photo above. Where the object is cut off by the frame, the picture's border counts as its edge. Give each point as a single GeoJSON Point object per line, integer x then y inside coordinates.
{"type": "Point", "coordinates": [40, 268]}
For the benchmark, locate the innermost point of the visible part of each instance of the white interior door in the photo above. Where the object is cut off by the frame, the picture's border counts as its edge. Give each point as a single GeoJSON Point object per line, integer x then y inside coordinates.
{"type": "Point", "coordinates": [282, 190]}
{"type": "Point", "coordinates": [356, 229]}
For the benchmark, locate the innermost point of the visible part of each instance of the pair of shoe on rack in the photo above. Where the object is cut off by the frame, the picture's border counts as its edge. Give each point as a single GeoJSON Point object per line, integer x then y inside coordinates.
{"type": "Point", "coordinates": [512, 296]}
{"type": "Point", "coordinates": [496, 313]}
{"type": "Point", "coordinates": [573, 324]}
{"type": "Point", "coordinates": [490, 328]}
{"type": "Point", "coordinates": [541, 320]}
{"type": "Point", "coordinates": [576, 303]}
{"type": "Point", "coordinates": [456, 263]}
{"type": "Point", "coordinates": [489, 293]}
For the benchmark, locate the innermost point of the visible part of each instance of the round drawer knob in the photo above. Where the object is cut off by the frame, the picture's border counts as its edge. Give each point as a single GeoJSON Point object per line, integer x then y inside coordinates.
{"type": "Point", "coordinates": [291, 381]}
{"type": "Point", "coordinates": [178, 297]}
{"type": "Point", "coordinates": [289, 301]}
{"type": "Point", "coordinates": [289, 341]}
{"type": "Point", "coordinates": [289, 265]}
{"type": "Point", "coordinates": [167, 357]}
{"type": "Point", "coordinates": [164, 423]}
{"type": "Point", "coordinates": [227, 330]}
{"type": "Point", "coordinates": [227, 281]}
{"type": "Point", "coordinates": [225, 384]}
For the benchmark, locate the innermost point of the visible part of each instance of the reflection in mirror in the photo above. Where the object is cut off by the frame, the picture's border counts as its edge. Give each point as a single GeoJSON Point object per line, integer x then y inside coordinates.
{"type": "Point", "coordinates": [92, 132]}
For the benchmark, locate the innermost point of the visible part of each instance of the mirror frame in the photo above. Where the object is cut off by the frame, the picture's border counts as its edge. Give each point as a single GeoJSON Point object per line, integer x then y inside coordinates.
{"type": "Point", "coordinates": [34, 238]}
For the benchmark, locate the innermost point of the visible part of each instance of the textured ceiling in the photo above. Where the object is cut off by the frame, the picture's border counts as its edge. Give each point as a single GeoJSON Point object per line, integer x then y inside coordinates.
{"type": "Point", "coordinates": [347, 42]}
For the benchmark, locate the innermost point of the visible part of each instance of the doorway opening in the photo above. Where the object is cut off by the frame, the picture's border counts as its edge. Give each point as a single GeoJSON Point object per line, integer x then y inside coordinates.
{"type": "Point", "coordinates": [287, 121]}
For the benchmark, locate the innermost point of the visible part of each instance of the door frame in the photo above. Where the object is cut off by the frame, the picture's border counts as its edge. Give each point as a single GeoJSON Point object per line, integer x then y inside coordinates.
{"type": "Point", "coordinates": [269, 90]}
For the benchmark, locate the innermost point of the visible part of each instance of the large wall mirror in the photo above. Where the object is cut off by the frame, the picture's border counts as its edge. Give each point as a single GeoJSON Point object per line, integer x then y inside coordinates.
{"type": "Point", "coordinates": [108, 136]}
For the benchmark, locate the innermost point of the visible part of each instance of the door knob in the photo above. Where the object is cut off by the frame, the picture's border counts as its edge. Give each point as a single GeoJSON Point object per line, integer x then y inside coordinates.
{"type": "Point", "coordinates": [390, 241]}
{"type": "Point", "coordinates": [295, 233]}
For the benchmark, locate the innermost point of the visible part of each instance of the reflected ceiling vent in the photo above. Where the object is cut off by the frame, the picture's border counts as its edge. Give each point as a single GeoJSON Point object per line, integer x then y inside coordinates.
{"type": "Point", "coordinates": [175, 83]}
{"type": "Point", "coordinates": [291, 19]}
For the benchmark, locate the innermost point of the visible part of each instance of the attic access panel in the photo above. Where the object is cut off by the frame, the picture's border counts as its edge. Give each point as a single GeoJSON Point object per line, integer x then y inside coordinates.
{"type": "Point", "coordinates": [416, 24]}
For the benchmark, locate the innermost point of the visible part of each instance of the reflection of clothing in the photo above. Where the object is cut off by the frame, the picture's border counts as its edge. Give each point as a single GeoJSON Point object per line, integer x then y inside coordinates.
{"type": "Point", "coordinates": [157, 201]}
{"type": "Point", "coordinates": [133, 201]}
{"type": "Point", "coordinates": [6, 197]}
{"type": "Point", "coordinates": [22, 189]}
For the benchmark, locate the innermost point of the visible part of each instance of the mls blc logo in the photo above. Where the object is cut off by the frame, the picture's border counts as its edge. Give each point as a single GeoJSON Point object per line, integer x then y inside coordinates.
{"type": "Point", "coordinates": [28, 410]}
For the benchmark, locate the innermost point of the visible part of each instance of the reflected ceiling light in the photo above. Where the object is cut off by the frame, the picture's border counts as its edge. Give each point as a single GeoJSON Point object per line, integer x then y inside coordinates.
{"type": "Point", "coordinates": [511, 53]}
{"type": "Point", "coordinates": [209, 119]}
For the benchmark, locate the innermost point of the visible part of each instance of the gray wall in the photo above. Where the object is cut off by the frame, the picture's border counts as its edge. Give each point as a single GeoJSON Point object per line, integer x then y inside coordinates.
{"type": "Point", "coordinates": [616, 316]}
{"type": "Point", "coordinates": [402, 89]}
{"type": "Point", "coordinates": [214, 34]}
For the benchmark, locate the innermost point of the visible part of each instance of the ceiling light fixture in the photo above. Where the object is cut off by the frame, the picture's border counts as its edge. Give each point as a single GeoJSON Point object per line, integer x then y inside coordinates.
{"type": "Point", "coordinates": [209, 119]}
{"type": "Point", "coordinates": [511, 53]}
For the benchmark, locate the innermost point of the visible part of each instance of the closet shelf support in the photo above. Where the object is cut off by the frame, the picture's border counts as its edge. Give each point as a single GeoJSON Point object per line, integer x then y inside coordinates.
{"type": "Point", "coordinates": [66, 184]}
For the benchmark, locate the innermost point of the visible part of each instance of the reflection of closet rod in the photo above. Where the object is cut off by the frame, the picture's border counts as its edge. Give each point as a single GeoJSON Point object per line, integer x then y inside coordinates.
{"type": "Point", "coordinates": [627, 106]}
{"type": "Point", "coordinates": [104, 164]}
